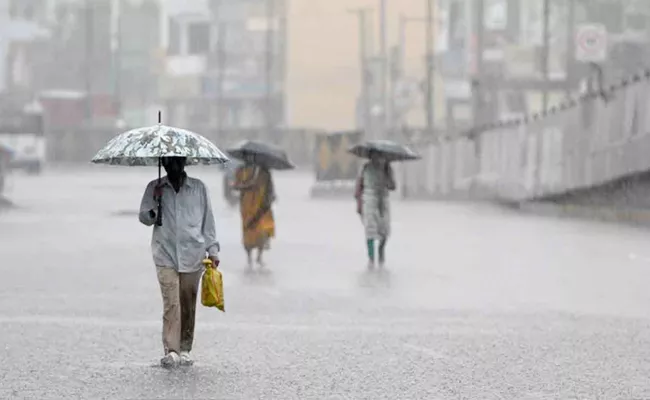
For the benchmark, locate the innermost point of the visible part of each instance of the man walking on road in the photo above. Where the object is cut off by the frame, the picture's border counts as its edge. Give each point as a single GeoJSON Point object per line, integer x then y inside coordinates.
{"type": "Point", "coordinates": [179, 246]}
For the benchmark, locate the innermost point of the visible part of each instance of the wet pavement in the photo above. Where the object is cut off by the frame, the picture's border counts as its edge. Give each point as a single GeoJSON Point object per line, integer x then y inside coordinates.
{"type": "Point", "coordinates": [477, 302]}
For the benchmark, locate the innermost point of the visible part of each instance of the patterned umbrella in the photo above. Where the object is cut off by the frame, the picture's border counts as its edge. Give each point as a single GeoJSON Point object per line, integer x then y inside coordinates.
{"type": "Point", "coordinates": [147, 146]}
{"type": "Point", "coordinates": [388, 149]}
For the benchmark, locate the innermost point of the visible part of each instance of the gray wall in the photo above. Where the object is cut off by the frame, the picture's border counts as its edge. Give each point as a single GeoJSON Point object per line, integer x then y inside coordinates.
{"type": "Point", "coordinates": [585, 143]}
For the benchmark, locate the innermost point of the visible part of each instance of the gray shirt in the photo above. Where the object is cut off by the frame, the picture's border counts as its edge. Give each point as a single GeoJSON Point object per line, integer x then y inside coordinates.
{"type": "Point", "coordinates": [188, 229]}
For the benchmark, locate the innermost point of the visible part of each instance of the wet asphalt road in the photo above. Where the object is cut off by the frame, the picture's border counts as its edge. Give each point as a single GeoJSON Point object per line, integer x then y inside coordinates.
{"type": "Point", "coordinates": [479, 303]}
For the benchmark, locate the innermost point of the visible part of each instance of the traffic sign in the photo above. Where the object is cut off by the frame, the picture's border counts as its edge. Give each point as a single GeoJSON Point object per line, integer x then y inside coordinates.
{"type": "Point", "coordinates": [591, 43]}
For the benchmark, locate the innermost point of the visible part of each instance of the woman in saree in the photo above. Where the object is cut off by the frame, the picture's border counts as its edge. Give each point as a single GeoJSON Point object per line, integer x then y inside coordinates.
{"type": "Point", "coordinates": [373, 185]}
{"type": "Point", "coordinates": [257, 195]}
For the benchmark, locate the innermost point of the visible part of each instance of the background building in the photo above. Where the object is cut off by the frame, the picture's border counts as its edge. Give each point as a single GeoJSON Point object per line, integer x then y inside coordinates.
{"type": "Point", "coordinates": [225, 64]}
{"type": "Point", "coordinates": [516, 68]}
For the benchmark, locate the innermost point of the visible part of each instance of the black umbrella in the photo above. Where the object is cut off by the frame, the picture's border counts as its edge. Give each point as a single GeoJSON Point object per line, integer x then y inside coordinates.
{"type": "Point", "coordinates": [390, 150]}
{"type": "Point", "coordinates": [263, 154]}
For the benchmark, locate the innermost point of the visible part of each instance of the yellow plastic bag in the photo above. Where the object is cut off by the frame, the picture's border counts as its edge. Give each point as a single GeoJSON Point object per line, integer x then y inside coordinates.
{"type": "Point", "coordinates": [212, 287]}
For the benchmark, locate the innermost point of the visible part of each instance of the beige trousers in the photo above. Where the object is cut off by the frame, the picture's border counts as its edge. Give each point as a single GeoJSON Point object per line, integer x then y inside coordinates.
{"type": "Point", "coordinates": [179, 292]}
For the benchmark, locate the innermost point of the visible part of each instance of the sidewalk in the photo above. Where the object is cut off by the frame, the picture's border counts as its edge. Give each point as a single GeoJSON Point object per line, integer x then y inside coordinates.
{"type": "Point", "coordinates": [614, 214]}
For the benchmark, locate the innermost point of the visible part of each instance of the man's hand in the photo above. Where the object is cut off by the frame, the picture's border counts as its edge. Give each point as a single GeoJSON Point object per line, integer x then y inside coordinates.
{"type": "Point", "coordinates": [388, 168]}
{"type": "Point", "coordinates": [157, 192]}
{"type": "Point", "coordinates": [390, 182]}
{"type": "Point", "coordinates": [215, 261]}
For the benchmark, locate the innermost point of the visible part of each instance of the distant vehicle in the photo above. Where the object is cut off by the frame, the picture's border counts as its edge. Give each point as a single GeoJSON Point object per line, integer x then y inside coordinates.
{"type": "Point", "coordinates": [24, 134]}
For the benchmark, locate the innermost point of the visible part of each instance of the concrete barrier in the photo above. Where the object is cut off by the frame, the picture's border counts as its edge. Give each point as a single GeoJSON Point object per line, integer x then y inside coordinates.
{"type": "Point", "coordinates": [579, 145]}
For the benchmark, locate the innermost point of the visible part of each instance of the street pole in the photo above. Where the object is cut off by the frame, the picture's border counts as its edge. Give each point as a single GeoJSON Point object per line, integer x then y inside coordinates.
{"type": "Point", "coordinates": [116, 45]}
{"type": "Point", "coordinates": [477, 89]}
{"type": "Point", "coordinates": [88, 56]}
{"type": "Point", "coordinates": [570, 45]}
{"type": "Point", "coordinates": [362, 14]}
{"type": "Point", "coordinates": [403, 23]}
{"type": "Point", "coordinates": [401, 66]}
{"type": "Point", "coordinates": [270, 14]}
{"type": "Point", "coordinates": [545, 54]}
{"type": "Point", "coordinates": [281, 62]}
{"type": "Point", "coordinates": [221, 65]}
{"type": "Point", "coordinates": [429, 65]}
{"type": "Point", "coordinates": [384, 70]}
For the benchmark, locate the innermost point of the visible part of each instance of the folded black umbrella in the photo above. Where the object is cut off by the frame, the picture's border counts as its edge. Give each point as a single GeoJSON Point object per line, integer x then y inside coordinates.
{"type": "Point", "coordinates": [263, 154]}
{"type": "Point", "coordinates": [389, 150]}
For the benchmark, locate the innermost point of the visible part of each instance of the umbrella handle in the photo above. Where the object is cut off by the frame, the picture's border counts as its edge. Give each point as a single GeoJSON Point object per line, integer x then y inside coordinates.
{"type": "Point", "coordinates": [159, 214]}
{"type": "Point", "coordinates": [159, 199]}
